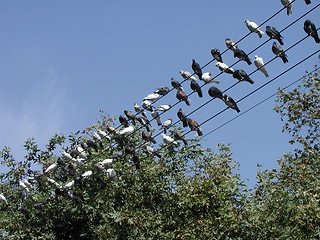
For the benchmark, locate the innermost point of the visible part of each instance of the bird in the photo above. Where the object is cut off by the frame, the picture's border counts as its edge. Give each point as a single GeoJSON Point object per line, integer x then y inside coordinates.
{"type": "Point", "coordinates": [166, 124]}
{"type": "Point", "coordinates": [258, 62]}
{"type": "Point", "coordinates": [196, 88]}
{"type": "Point", "coordinates": [3, 199]}
{"type": "Point", "coordinates": [87, 174]}
{"type": "Point", "coordinates": [147, 137]}
{"type": "Point", "coordinates": [144, 122]}
{"type": "Point", "coordinates": [176, 84]}
{"type": "Point", "coordinates": [163, 108]}
{"type": "Point", "coordinates": [123, 121]}
{"type": "Point", "coordinates": [51, 168]}
{"type": "Point", "coordinates": [168, 140]}
{"type": "Point", "coordinates": [110, 129]}
{"type": "Point", "coordinates": [152, 151]}
{"type": "Point", "coordinates": [186, 75]}
{"type": "Point", "coordinates": [183, 118]}
{"type": "Point", "coordinates": [179, 136]}
{"type": "Point", "coordinates": [147, 105]}
{"type": "Point", "coordinates": [194, 126]}
{"type": "Point", "coordinates": [112, 173]}
{"type": "Point", "coordinates": [241, 75]}
{"type": "Point", "coordinates": [130, 116]}
{"type": "Point", "coordinates": [136, 162]}
{"type": "Point", "coordinates": [231, 44]}
{"type": "Point", "coordinates": [156, 116]}
{"type": "Point", "coordinates": [162, 90]}
{"type": "Point", "coordinates": [207, 78]}
{"type": "Point", "coordinates": [253, 27]}
{"type": "Point", "coordinates": [101, 133]}
{"type": "Point", "coordinates": [311, 30]}
{"type": "Point", "coordinates": [307, 2]}
{"type": "Point", "coordinates": [215, 93]}
{"type": "Point", "coordinates": [273, 33]}
{"type": "Point", "coordinates": [152, 97]}
{"type": "Point", "coordinates": [127, 131]}
{"type": "Point", "coordinates": [182, 96]}
{"type": "Point", "coordinates": [242, 56]}
{"type": "Point", "coordinates": [91, 144]}
{"type": "Point", "coordinates": [54, 183]}
{"type": "Point", "coordinates": [230, 103]}
{"type": "Point", "coordinates": [139, 109]}
{"type": "Point", "coordinates": [196, 68]}
{"type": "Point", "coordinates": [24, 186]}
{"type": "Point", "coordinates": [104, 164]}
{"type": "Point", "coordinates": [224, 67]}
{"type": "Point", "coordinates": [287, 4]}
{"type": "Point", "coordinates": [215, 52]}
{"type": "Point", "coordinates": [277, 50]}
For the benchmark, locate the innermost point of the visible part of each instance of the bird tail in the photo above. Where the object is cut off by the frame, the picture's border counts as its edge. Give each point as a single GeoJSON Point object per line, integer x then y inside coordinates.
{"type": "Point", "coordinates": [285, 59]}
{"type": "Point", "coordinates": [147, 127]}
{"type": "Point", "coordinates": [187, 101]}
{"type": "Point", "coordinates": [159, 121]}
{"type": "Point", "coordinates": [260, 33]}
{"type": "Point", "coordinates": [265, 72]}
{"type": "Point", "coordinates": [248, 61]}
{"type": "Point", "coordinates": [185, 123]}
{"type": "Point", "coordinates": [317, 39]}
{"type": "Point", "coordinates": [199, 131]}
{"type": "Point", "coordinates": [184, 141]}
{"type": "Point", "coordinates": [153, 141]}
{"type": "Point", "coordinates": [250, 80]}
{"type": "Point", "coordinates": [280, 41]}
{"type": "Point", "coordinates": [200, 93]}
{"type": "Point", "coordinates": [289, 10]}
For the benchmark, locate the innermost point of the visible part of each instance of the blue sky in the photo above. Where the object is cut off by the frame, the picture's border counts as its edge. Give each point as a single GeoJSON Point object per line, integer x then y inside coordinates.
{"type": "Point", "coordinates": [63, 61]}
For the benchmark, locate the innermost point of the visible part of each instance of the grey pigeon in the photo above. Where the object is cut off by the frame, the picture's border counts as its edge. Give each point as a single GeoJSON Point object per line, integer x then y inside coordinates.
{"type": "Point", "coordinates": [130, 116]}
{"type": "Point", "coordinates": [176, 84]}
{"type": "Point", "coordinates": [144, 122]}
{"type": "Point", "coordinates": [274, 34]}
{"type": "Point", "coordinates": [258, 62]}
{"type": "Point", "coordinates": [253, 27]}
{"type": "Point", "coordinates": [311, 30]}
{"type": "Point", "coordinates": [215, 93]}
{"type": "Point", "coordinates": [196, 88]}
{"type": "Point", "coordinates": [277, 50]}
{"type": "Point", "coordinates": [139, 109]}
{"type": "Point", "coordinates": [241, 75]}
{"type": "Point", "coordinates": [242, 56]}
{"type": "Point", "coordinates": [231, 44]}
{"type": "Point", "coordinates": [196, 68]}
{"type": "Point", "coordinates": [194, 126]}
{"type": "Point", "coordinates": [156, 116]}
{"type": "Point", "coordinates": [152, 151]}
{"type": "Point", "coordinates": [182, 96]}
{"type": "Point", "coordinates": [215, 52]}
{"type": "Point", "coordinates": [162, 90]}
{"type": "Point", "coordinates": [287, 4]}
{"type": "Point", "coordinates": [183, 118]}
{"type": "Point", "coordinates": [231, 103]}
{"type": "Point", "coordinates": [123, 121]}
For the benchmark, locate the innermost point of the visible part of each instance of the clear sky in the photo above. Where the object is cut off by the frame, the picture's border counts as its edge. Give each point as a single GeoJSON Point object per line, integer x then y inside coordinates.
{"type": "Point", "coordinates": [63, 61]}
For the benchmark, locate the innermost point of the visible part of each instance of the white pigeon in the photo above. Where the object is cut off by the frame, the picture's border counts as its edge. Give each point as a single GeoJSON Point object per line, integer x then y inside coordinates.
{"type": "Point", "coordinates": [288, 5]}
{"type": "Point", "coordinates": [126, 131]}
{"type": "Point", "coordinates": [3, 199]}
{"type": "Point", "coordinates": [147, 105]}
{"type": "Point", "coordinates": [69, 185]}
{"type": "Point", "coordinates": [253, 27]}
{"type": "Point", "coordinates": [51, 168]}
{"type": "Point", "coordinates": [96, 136]}
{"type": "Point", "coordinates": [81, 152]}
{"type": "Point", "coordinates": [258, 62]}
{"type": "Point", "coordinates": [23, 185]}
{"type": "Point", "coordinates": [187, 76]}
{"type": "Point", "coordinates": [67, 155]}
{"type": "Point", "coordinates": [87, 174]}
{"type": "Point", "coordinates": [168, 140]}
{"type": "Point", "coordinates": [112, 173]}
{"type": "Point", "coordinates": [26, 182]}
{"type": "Point", "coordinates": [166, 124]}
{"type": "Point", "coordinates": [152, 97]}
{"type": "Point", "coordinates": [224, 67]}
{"type": "Point", "coordinates": [102, 134]}
{"type": "Point", "coordinates": [103, 164]}
{"type": "Point", "coordinates": [207, 78]}
{"type": "Point", "coordinates": [54, 183]}
{"type": "Point", "coordinates": [164, 107]}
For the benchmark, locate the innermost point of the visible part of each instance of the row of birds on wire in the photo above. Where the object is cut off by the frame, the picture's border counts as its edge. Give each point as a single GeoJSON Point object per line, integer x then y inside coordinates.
{"type": "Point", "coordinates": [82, 152]}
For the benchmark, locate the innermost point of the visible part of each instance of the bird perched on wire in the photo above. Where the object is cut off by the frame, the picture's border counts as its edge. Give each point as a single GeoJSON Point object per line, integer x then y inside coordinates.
{"type": "Point", "coordinates": [273, 33]}
{"type": "Point", "coordinates": [179, 136]}
{"type": "Point", "coordinates": [123, 121]}
{"type": "Point", "coordinates": [127, 131]}
{"type": "Point", "coordinates": [187, 76]}
{"type": "Point", "coordinates": [215, 52]}
{"type": "Point", "coordinates": [183, 118]}
{"type": "Point", "coordinates": [147, 105]}
{"type": "Point", "coordinates": [168, 140]}
{"type": "Point", "coordinates": [194, 126]}
{"type": "Point", "coordinates": [144, 122]}
{"type": "Point", "coordinates": [258, 62]}
{"type": "Point", "coordinates": [176, 84]}
{"type": "Point", "coordinates": [230, 103]}
{"type": "Point", "coordinates": [110, 129]}
{"type": "Point", "coordinates": [182, 96]}
{"type": "Point", "coordinates": [277, 50]}
{"type": "Point", "coordinates": [152, 97]}
{"type": "Point", "coordinates": [242, 56]}
{"type": "Point", "coordinates": [130, 116]}
{"type": "Point", "coordinates": [241, 75]}
{"type": "Point", "coordinates": [224, 67]}
{"type": "Point", "coordinates": [196, 68]}
{"type": "Point", "coordinates": [162, 90]}
{"type": "Point", "coordinates": [215, 93]}
{"type": "Point", "coordinates": [207, 78]}
{"type": "Point", "coordinates": [151, 151]}
{"type": "Point", "coordinates": [139, 109]}
{"type": "Point", "coordinates": [156, 116]}
{"type": "Point", "coordinates": [196, 88]}
{"type": "Point", "coordinates": [311, 30]}
{"type": "Point", "coordinates": [166, 124]}
{"type": "Point", "coordinates": [231, 44]}
{"type": "Point", "coordinates": [253, 27]}
{"type": "Point", "coordinates": [163, 108]}
{"type": "Point", "coordinates": [287, 4]}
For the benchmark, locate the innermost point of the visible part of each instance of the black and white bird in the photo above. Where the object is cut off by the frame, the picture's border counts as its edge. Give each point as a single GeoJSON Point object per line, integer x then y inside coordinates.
{"type": "Point", "coordinates": [231, 103]}
{"type": "Point", "coordinates": [215, 93]}
{"type": "Point", "coordinates": [194, 126]}
{"type": "Point", "coordinates": [241, 75]}
{"type": "Point", "coordinates": [123, 121]}
{"type": "Point", "coordinates": [168, 140]}
{"type": "Point", "coordinates": [274, 34]}
{"type": "Point", "coordinates": [147, 105]}
{"type": "Point", "coordinates": [308, 1]}
{"type": "Point", "coordinates": [196, 88]}
{"type": "Point", "coordinates": [259, 63]}
{"type": "Point", "coordinates": [196, 68]}
{"type": "Point", "coordinates": [207, 78]}
{"type": "Point", "coordinates": [231, 44]}
{"type": "Point", "coordinates": [277, 50]}
{"type": "Point", "coordinates": [163, 107]}
{"type": "Point", "coordinates": [311, 30]}
{"type": "Point", "coordinates": [151, 151]}
{"type": "Point", "coordinates": [3, 199]}
{"type": "Point", "coordinates": [238, 53]}
{"type": "Point", "coordinates": [147, 137]}
{"type": "Point", "coordinates": [152, 97]}
{"type": "Point", "coordinates": [130, 116]}
{"type": "Point", "coordinates": [162, 90]}
{"type": "Point", "coordinates": [183, 118]}
{"type": "Point", "coordinates": [215, 52]}
{"type": "Point", "coordinates": [253, 27]}
{"type": "Point", "coordinates": [139, 109]}
{"type": "Point", "coordinates": [176, 84]}
{"type": "Point", "coordinates": [182, 96]}
{"type": "Point", "coordinates": [287, 4]}
{"type": "Point", "coordinates": [224, 67]}
{"type": "Point", "coordinates": [166, 124]}
{"type": "Point", "coordinates": [144, 122]}
{"type": "Point", "coordinates": [155, 115]}
{"type": "Point", "coordinates": [179, 136]}
{"type": "Point", "coordinates": [186, 75]}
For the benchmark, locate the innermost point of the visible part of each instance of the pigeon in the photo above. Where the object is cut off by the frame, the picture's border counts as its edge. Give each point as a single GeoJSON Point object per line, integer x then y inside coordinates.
{"type": "Point", "coordinates": [241, 75]}
{"type": "Point", "coordinates": [3, 199]}
{"type": "Point", "coordinates": [112, 173]}
{"type": "Point", "coordinates": [110, 129]}
{"type": "Point", "coordinates": [182, 96]}
{"type": "Point", "coordinates": [274, 34]}
{"type": "Point", "coordinates": [163, 108]}
{"type": "Point", "coordinates": [186, 75]}
{"type": "Point", "coordinates": [176, 84]}
{"type": "Point", "coordinates": [287, 4]}
{"type": "Point", "coordinates": [123, 121]}
{"type": "Point", "coordinates": [102, 134]}
{"type": "Point", "coordinates": [196, 68]}
{"type": "Point", "coordinates": [196, 88]}
{"type": "Point", "coordinates": [152, 97]}
{"type": "Point", "coordinates": [144, 122]}
{"type": "Point", "coordinates": [253, 27]}
{"type": "Point", "coordinates": [277, 50]}
{"type": "Point", "coordinates": [307, 2]}
{"type": "Point", "coordinates": [136, 162]}
{"type": "Point", "coordinates": [127, 131]}
{"type": "Point", "coordinates": [242, 56]}
{"type": "Point", "coordinates": [231, 44]}
{"type": "Point", "coordinates": [166, 124]}
{"type": "Point", "coordinates": [87, 174]}
{"type": "Point", "coordinates": [24, 186]}
{"type": "Point", "coordinates": [215, 93]}
{"type": "Point", "coordinates": [194, 126]}
{"type": "Point", "coordinates": [54, 183]}
{"type": "Point", "coordinates": [311, 30]}
{"type": "Point", "coordinates": [104, 164]}
{"type": "Point", "coordinates": [139, 109]}
{"type": "Point", "coordinates": [118, 139]}
{"type": "Point", "coordinates": [92, 144]}
{"type": "Point", "coordinates": [152, 151]}
{"type": "Point", "coordinates": [215, 52]}
{"type": "Point", "coordinates": [230, 103]}
{"type": "Point", "coordinates": [224, 67]}
{"type": "Point", "coordinates": [130, 116]}
{"type": "Point", "coordinates": [147, 105]}
{"type": "Point", "coordinates": [147, 137]}
{"type": "Point", "coordinates": [179, 136]}
{"type": "Point", "coordinates": [156, 116]}
{"type": "Point", "coordinates": [168, 140]}
{"type": "Point", "coordinates": [207, 78]}
{"type": "Point", "coordinates": [258, 62]}
{"type": "Point", "coordinates": [162, 91]}
{"type": "Point", "coordinates": [51, 168]}
{"type": "Point", "coordinates": [182, 117]}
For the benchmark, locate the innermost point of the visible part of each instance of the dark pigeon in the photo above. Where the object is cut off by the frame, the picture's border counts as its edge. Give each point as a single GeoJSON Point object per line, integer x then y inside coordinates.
{"type": "Point", "coordinates": [231, 44]}
{"type": "Point", "coordinates": [123, 121]}
{"type": "Point", "coordinates": [196, 88]}
{"type": "Point", "coordinates": [162, 90]}
{"type": "Point", "coordinates": [182, 117]}
{"type": "Point", "coordinates": [215, 93]}
{"type": "Point", "coordinates": [307, 2]}
{"type": "Point", "coordinates": [147, 137]}
{"type": "Point", "coordinates": [241, 75]}
{"type": "Point", "coordinates": [194, 126]}
{"type": "Point", "coordinates": [182, 96]}
{"type": "Point", "coordinates": [196, 68]}
{"type": "Point", "coordinates": [179, 136]}
{"type": "Point", "coordinates": [215, 52]}
{"type": "Point", "coordinates": [231, 103]}
{"type": "Point", "coordinates": [176, 84]}
{"type": "Point", "coordinates": [311, 30]}
{"type": "Point", "coordinates": [277, 50]}
{"type": "Point", "coordinates": [130, 116]}
{"type": "Point", "coordinates": [274, 34]}
{"type": "Point", "coordinates": [242, 56]}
